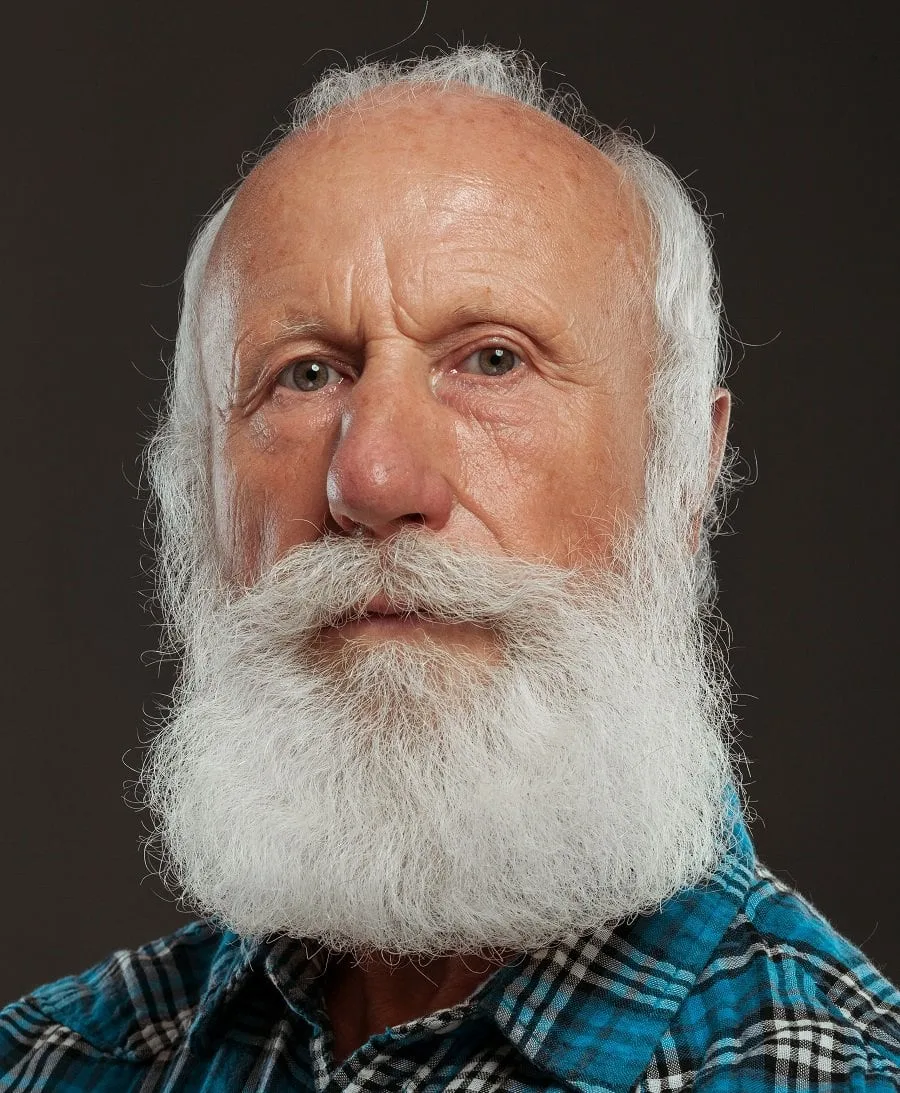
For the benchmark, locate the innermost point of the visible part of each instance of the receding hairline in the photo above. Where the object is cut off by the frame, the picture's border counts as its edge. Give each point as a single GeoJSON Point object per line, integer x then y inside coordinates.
{"type": "Point", "coordinates": [437, 98]}
{"type": "Point", "coordinates": [439, 102]}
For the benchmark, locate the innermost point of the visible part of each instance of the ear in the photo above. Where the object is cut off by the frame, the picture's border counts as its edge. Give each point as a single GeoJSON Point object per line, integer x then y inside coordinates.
{"type": "Point", "coordinates": [720, 411]}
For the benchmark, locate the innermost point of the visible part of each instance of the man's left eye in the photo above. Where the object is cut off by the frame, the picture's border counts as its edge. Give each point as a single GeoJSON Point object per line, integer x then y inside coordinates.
{"type": "Point", "coordinates": [493, 360]}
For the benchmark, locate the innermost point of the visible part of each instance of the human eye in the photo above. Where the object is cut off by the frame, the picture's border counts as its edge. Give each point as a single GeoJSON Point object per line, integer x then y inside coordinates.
{"type": "Point", "coordinates": [308, 375]}
{"type": "Point", "coordinates": [491, 360]}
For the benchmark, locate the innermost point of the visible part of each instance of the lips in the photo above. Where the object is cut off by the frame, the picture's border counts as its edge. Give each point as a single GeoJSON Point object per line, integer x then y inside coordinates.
{"type": "Point", "coordinates": [381, 605]}
{"type": "Point", "coordinates": [381, 619]}
{"type": "Point", "coordinates": [382, 608]}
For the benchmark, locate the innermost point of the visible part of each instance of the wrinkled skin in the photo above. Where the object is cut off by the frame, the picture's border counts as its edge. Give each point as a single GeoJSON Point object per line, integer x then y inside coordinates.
{"type": "Point", "coordinates": [396, 247]}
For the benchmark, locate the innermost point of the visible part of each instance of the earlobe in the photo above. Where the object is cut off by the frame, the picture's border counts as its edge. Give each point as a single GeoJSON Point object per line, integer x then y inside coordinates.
{"type": "Point", "coordinates": [720, 408]}
{"type": "Point", "coordinates": [720, 414]}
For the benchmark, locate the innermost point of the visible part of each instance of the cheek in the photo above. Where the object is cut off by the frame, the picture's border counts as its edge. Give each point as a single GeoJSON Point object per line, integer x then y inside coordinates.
{"type": "Point", "coordinates": [239, 521]}
{"type": "Point", "coordinates": [269, 491]}
{"type": "Point", "coordinates": [603, 495]}
{"type": "Point", "coordinates": [558, 486]}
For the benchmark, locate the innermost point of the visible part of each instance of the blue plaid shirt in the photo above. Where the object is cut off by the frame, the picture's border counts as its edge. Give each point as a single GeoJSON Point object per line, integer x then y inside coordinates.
{"type": "Point", "coordinates": [738, 986]}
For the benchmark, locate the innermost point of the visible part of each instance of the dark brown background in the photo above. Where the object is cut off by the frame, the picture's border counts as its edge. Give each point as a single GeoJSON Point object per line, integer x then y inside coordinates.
{"type": "Point", "coordinates": [123, 123]}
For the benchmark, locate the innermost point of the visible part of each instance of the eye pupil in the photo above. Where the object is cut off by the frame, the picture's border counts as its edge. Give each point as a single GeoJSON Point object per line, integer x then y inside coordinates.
{"type": "Point", "coordinates": [310, 375]}
{"type": "Point", "coordinates": [496, 360]}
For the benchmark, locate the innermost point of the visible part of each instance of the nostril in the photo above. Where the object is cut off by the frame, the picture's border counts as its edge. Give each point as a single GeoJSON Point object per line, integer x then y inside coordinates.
{"type": "Point", "coordinates": [359, 529]}
{"type": "Point", "coordinates": [385, 494]}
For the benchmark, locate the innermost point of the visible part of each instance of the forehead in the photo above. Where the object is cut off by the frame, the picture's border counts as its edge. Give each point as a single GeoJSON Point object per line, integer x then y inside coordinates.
{"type": "Point", "coordinates": [423, 189]}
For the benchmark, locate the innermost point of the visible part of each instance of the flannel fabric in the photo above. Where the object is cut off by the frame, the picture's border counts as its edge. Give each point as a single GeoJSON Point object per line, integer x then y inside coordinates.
{"type": "Point", "coordinates": [737, 986]}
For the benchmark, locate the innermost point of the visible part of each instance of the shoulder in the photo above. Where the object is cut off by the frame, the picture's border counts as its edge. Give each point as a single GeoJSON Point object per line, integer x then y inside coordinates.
{"type": "Point", "coordinates": [134, 1007]}
{"type": "Point", "coordinates": [791, 1004]}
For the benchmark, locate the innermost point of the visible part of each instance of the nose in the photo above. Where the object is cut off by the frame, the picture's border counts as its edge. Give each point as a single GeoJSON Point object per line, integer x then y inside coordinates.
{"type": "Point", "coordinates": [389, 467]}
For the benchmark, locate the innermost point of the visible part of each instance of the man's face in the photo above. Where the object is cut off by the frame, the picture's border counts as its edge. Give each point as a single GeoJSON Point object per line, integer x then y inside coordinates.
{"type": "Point", "coordinates": [430, 313]}
{"type": "Point", "coordinates": [427, 339]}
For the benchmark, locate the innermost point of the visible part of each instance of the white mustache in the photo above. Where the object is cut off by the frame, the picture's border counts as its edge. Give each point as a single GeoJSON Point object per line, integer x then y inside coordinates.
{"type": "Point", "coordinates": [336, 579]}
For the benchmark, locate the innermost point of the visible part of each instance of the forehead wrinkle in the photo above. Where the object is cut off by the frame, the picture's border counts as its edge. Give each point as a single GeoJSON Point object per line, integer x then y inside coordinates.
{"type": "Point", "coordinates": [582, 177]}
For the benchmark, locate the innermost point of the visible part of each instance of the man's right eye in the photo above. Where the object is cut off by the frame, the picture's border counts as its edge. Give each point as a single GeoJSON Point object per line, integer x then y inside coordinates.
{"type": "Point", "coordinates": [308, 376]}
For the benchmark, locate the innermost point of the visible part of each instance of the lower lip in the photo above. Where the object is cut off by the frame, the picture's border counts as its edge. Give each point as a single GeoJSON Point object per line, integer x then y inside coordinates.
{"type": "Point", "coordinates": [385, 625]}
{"type": "Point", "coordinates": [414, 628]}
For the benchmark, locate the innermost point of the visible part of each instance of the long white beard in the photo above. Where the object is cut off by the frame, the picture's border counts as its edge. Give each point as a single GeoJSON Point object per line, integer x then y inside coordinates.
{"type": "Point", "coordinates": [404, 797]}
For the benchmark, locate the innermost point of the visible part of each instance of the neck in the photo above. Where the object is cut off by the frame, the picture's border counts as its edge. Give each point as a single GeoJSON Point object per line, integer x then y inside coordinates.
{"type": "Point", "coordinates": [364, 997]}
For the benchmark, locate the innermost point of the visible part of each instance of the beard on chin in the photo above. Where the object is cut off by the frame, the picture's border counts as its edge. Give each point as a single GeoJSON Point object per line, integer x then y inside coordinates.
{"type": "Point", "coordinates": [417, 797]}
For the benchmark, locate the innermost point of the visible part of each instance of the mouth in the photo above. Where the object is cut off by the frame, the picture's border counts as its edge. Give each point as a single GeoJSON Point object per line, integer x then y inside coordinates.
{"type": "Point", "coordinates": [381, 607]}
{"type": "Point", "coordinates": [381, 619]}
{"type": "Point", "coordinates": [379, 612]}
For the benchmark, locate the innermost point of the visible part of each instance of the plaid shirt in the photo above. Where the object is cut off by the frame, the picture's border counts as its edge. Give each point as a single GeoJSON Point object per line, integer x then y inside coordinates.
{"type": "Point", "coordinates": [737, 986]}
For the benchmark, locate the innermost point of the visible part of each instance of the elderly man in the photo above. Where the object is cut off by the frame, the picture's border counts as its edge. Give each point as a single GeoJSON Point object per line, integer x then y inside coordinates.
{"type": "Point", "coordinates": [447, 770]}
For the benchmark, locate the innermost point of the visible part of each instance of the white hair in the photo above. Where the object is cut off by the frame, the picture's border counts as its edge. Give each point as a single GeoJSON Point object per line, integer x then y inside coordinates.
{"type": "Point", "coordinates": [410, 798]}
{"type": "Point", "coordinates": [690, 351]}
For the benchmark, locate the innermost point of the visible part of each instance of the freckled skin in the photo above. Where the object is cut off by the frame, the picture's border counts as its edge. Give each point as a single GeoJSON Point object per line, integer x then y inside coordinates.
{"type": "Point", "coordinates": [404, 239]}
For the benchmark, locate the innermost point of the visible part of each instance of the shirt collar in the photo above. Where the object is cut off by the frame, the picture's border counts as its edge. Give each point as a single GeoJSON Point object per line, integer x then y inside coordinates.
{"type": "Point", "coordinates": [231, 967]}
{"type": "Point", "coordinates": [291, 966]}
{"type": "Point", "coordinates": [590, 1009]}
